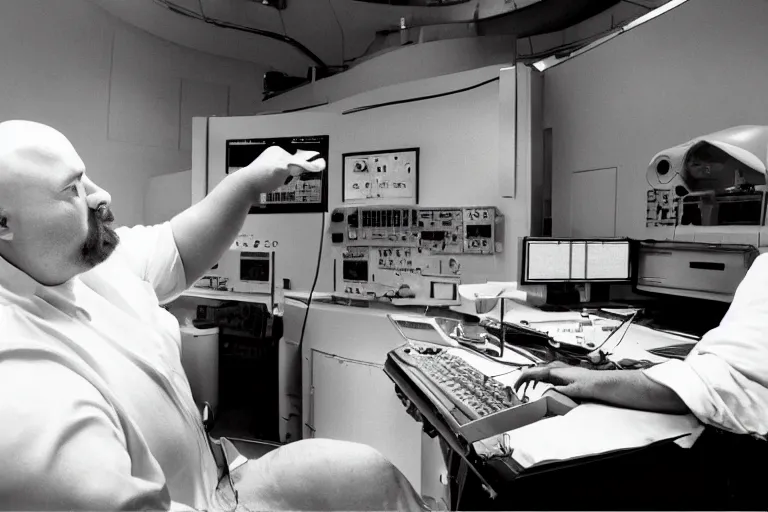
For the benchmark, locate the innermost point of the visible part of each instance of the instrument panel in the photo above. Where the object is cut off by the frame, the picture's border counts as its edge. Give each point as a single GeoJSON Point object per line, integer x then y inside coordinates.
{"type": "Point", "coordinates": [408, 255]}
{"type": "Point", "coordinates": [446, 230]}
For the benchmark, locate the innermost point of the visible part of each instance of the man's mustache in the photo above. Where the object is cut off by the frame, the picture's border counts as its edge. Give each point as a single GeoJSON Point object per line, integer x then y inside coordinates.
{"type": "Point", "coordinates": [101, 240]}
{"type": "Point", "coordinates": [104, 214]}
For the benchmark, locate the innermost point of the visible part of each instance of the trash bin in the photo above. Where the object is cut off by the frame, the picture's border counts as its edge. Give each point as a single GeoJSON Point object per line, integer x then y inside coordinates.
{"type": "Point", "coordinates": [200, 359]}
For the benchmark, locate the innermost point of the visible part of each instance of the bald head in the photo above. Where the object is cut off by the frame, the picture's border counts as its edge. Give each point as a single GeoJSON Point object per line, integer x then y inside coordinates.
{"type": "Point", "coordinates": [48, 227]}
{"type": "Point", "coordinates": [30, 153]}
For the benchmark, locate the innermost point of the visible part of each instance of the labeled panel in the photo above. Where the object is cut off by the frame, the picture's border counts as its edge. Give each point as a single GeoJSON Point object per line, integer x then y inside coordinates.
{"type": "Point", "coordinates": [409, 255]}
{"type": "Point", "coordinates": [381, 177]}
{"type": "Point", "coordinates": [475, 230]}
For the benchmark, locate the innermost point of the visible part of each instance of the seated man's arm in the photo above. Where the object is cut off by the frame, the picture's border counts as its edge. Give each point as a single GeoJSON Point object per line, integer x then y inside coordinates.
{"type": "Point", "coordinates": [205, 230]}
{"type": "Point", "coordinates": [723, 382]}
{"type": "Point", "coordinates": [625, 388]}
{"type": "Point", "coordinates": [63, 448]}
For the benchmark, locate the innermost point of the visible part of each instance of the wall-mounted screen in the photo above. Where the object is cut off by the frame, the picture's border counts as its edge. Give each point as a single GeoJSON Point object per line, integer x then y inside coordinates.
{"type": "Point", "coordinates": [562, 260]}
{"type": "Point", "coordinates": [381, 177]}
{"type": "Point", "coordinates": [304, 194]}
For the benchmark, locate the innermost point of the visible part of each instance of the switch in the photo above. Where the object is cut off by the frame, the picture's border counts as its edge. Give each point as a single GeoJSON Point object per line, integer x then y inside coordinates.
{"type": "Point", "coordinates": [337, 216]}
{"type": "Point", "coordinates": [337, 238]}
{"type": "Point", "coordinates": [352, 220]}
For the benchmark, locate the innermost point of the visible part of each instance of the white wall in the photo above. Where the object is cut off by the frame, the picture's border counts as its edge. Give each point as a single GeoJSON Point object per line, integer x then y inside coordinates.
{"type": "Point", "coordinates": [124, 98]}
{"type": "Point", "coordinates": [458, 137]}
{"type": "Point", "coordinates": [694, 70]}
{"type": "Point", "coordinates": [459, 162]}
{"type": "Point", "coordinates": [407, 64]}
{"type": "Point", "coordinates": [167, 195]}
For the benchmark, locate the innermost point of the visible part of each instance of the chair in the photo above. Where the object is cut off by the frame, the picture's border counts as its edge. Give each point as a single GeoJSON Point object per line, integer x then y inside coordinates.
{"type": "Point", "coordinates": [248, 448]}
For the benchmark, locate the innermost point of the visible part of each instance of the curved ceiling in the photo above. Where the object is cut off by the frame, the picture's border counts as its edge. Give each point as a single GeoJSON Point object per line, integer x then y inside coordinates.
{"type": "Point", "coordinates": [334, 32]}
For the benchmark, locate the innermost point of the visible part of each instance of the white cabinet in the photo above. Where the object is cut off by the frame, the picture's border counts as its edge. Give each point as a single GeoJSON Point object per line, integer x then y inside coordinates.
{"type": "Point", "coordinates": [356, 401]}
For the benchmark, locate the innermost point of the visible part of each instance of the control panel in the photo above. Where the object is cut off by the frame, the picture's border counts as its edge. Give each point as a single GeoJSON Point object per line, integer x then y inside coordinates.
{"type": "Point", "coordinates": [408, 255]}
{"type": "Point", "coordinates": [243, 270]}
{"type": "Point", "coordinates": [475, 230]}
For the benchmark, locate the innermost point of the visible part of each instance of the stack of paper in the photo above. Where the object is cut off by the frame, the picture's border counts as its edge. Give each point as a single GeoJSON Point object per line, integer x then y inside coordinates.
{"type": "Point", "coordinates": [587, 430]}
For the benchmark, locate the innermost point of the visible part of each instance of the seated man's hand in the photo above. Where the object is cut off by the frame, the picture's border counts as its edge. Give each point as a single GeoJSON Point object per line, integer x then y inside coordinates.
{"type": "Point", "coordinates": [572, 381]}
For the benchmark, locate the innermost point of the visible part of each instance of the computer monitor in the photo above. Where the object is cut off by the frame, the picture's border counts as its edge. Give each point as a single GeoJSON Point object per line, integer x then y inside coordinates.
{"type": "Point", "coordinates": [303, 194]}
{"type": "Point", "coordinates": [575, 260]}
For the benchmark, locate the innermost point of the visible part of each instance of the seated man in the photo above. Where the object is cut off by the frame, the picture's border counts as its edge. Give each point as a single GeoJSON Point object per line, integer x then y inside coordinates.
{"type": "Point", "coordinates": [723, 381]}
{"type": "Point", "coordinates": [98, 411]}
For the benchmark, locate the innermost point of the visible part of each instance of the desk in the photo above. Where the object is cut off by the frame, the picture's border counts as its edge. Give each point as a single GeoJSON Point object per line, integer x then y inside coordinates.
{"type": "Point", "coordinates": [204, 293]}
{"type": "Point", "coordinates": [589, 435]}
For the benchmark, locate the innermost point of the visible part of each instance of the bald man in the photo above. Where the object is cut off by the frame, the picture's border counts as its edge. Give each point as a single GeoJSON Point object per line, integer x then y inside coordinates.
{"type": "Point", "coordinates": [97, 412]}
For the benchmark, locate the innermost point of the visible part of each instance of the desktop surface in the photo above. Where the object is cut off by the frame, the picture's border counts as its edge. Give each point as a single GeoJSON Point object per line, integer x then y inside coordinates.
{"type": "Point", "coordinates": [617, 459]}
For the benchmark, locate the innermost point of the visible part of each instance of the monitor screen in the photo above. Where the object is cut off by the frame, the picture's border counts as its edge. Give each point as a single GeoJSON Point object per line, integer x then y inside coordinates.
{"type": "Point", "coordinates": [305, 194]}
{"type": "Point", "coordinates": [355, 270]}
{"type": "Point", "coordinates": [254, 267]}
{"type": "Point", "coordinates": [562, 260]}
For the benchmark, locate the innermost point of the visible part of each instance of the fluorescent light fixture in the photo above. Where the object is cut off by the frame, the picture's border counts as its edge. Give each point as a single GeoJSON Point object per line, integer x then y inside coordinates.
{"type": "Point", "coordinates": [552, 60]}
{"type": "Point", "coordinates": [654, 13]}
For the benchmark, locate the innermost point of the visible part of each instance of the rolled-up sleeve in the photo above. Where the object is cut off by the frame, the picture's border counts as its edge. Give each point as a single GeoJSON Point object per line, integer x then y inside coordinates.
{"type": "Point", "coordinates": [716, 393]}
{"type": "Point", "coordinates": [152, 254]}
{"type": "Point", "coordinates": [724, 381]}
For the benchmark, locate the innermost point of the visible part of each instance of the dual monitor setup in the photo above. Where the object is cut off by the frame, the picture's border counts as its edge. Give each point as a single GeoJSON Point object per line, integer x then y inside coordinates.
{"type": "Point", "coordinates": [571, 260]}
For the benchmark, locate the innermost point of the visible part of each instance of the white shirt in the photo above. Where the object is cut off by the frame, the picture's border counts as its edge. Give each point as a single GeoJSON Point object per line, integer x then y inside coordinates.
{"type": "Point", "coordinates": [97, 412]}
{"type": "Point", "coordinates": [724, 380]}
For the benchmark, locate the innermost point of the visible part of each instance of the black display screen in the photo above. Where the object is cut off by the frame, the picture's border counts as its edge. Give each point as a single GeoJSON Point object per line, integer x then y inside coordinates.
{"type": "Point", "coordinates": [479, 231]}
{"type": "Point", "coordinates": [305, 194]}
{"type": "Point", "coordinates": [355, 270]}
{"type": "Point", "coordinates": [254, 270]}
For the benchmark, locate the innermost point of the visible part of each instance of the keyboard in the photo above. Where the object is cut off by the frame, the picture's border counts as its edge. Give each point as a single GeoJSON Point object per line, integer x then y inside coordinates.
{"type": "Point", "coordinates": [473, 393]}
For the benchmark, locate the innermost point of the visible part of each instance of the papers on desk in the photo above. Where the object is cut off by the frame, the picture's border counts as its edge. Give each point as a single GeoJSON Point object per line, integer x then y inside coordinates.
{"type": "Point", "coordinates": [481, 298]}
{"type": "Point", "coordinates": [588, 430]}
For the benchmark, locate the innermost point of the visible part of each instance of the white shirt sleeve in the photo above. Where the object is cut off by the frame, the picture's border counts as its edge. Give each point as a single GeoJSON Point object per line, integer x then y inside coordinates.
{"type": "Point", "coordinates": [152, 254]}
{"type": "Point", "coordinates": [63, 448]}
{"type": "Point", "coordinates": [724, 381]}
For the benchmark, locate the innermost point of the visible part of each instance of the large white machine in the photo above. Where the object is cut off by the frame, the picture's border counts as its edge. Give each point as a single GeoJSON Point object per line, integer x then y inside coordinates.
{"type": "Point", "coordinates": [706, 205]}
{"type": "Point", "coordinates": [711, 189]}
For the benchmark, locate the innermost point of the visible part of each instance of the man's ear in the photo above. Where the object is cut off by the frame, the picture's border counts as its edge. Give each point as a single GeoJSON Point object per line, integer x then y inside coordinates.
{"type": "Point", "coordinates": [5, 232]}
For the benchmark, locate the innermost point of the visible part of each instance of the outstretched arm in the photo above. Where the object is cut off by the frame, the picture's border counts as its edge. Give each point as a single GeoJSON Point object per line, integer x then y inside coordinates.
{"type": "Point", "coordinates": [624, 388]}
{"type": "Point", "coordinates": [205, 230]}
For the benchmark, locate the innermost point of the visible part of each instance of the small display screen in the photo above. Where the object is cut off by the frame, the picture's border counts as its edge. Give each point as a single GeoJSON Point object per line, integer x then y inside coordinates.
{"type": "Point", "coordinates": [443, 291]}
{"type": "Point", "coordinates": [254, 270]}
{"type": "Point", "coordinates": [479, 231]}
{"type": "Point", "coordinates": [433, 235]}
{"type": "Point", "coordinates": [355, 270]}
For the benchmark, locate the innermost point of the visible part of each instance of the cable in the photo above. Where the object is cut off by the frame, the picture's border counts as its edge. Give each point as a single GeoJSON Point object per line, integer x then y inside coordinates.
{"type": "Point", "coordinates": [314, 282]}
{"type": "Point", "coordinates": [233, 26]}
{"type": "Point", "coordinates": [341, 29]}
{"type": "Point", "coordinates": [282, 22]}
{"type": "Point", "coordinates": [420, 98]}
{"type": "Point", "coordinates": [648, 7]}
{"type": "Point", "coordinates": [299, 109]}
